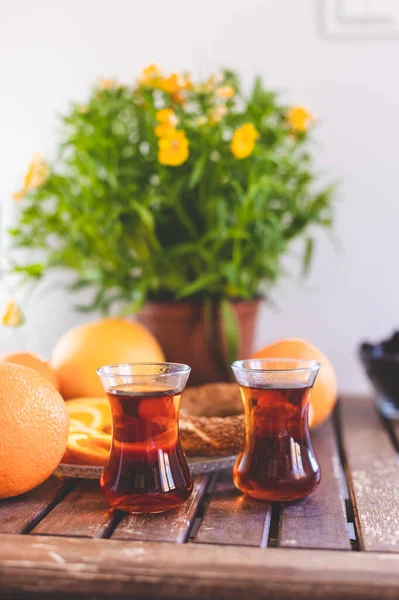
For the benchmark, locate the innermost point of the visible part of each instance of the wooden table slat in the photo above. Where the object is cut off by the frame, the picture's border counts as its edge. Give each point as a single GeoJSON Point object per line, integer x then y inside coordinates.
{"type": "Point", "coordinates": [55, 567]}
{"type": "Point", "coordinates": [69, 563]}
{"type": "Point", "coordinates": [319, 521]}
{"type": "Point", "coordinates": [173, 526]}
{"type": "Point", "coordinates": [20, 514]}
{"type": "Point", "coordinates": [373, 472]}
{"type": "Point", "coordinates": [232, 518]}
{"type": "Point", "coordinates": [82, 513]}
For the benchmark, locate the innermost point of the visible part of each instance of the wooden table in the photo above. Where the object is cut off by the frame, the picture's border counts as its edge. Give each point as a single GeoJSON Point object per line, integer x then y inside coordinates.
{"type": "Point", "coordinates": [59, 541]}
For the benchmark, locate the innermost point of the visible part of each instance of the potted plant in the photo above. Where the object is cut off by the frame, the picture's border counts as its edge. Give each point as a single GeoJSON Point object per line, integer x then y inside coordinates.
{"type": "Point", "coordinates": [176, 200]}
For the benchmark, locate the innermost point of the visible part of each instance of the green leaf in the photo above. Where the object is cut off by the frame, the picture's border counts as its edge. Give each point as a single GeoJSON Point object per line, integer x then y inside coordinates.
{"type": "Point", "coordinates": [230, 329]}
{"type": "Point", "coordinates": [198, 171]}
{"type": "Point", "coordinates": [257, 91]}
{"type": "Point", "coordinates": [131, 308]}
{"type": "Point", "coordinates": [96, 303]}
{"type": "Point", "coordinates": [145, 215]}
{"type": "Point", "coordinates": [33, 270]}
{"type": "Point", "coordinates": [239, 190]}
{"type": "Point", "coordinates": [213, 227]}
{"type": "Point", "coordinates": [307, 255]}
{"type": "Point", "coordinates": [203, 282]}
{"type": "Point", "coordinates": [80, 284]}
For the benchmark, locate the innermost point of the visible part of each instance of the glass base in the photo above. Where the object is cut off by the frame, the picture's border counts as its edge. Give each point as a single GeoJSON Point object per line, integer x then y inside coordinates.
{"type": "Point", "coordinates": [145, 502]}
{"type": "Point", "coordinates": [143, 510]}
{"type": "Point", "coordinates": [387, 408]}
{"type": "Point", "coordinates": [278, 497]}
{"type": "Point", "coordinates": [141, 506]}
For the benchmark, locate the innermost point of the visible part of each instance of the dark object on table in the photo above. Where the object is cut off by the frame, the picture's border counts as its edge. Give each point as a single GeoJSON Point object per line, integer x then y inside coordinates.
{"type": "Point", "coordinates": [381, 362]}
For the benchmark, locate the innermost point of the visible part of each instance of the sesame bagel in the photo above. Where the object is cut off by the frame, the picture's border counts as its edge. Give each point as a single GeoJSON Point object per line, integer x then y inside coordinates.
{"type": "Point", "coordinates": [211, 420]}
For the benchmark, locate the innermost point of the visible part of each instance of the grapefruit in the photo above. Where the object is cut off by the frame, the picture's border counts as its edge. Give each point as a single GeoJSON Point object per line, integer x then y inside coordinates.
{"type": "Point", "coordinates": [83, 349]}
{"type": "Point", "coordinates": [34, 429]}
{"type": "Point", "coordinates": [32, 361]}
{"type": "Point", "coordinates": [324, 393]}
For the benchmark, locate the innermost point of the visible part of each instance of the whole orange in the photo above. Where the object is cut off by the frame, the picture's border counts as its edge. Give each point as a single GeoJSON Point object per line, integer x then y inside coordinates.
{"type": "Point", "coordinates": [33, 361]}
{"type": "Point", "coordinates": [34, 427]}
{"type": "Point", "coordinates": [324, 393]}
{"type": "Point", "coordinates": [83, 349]}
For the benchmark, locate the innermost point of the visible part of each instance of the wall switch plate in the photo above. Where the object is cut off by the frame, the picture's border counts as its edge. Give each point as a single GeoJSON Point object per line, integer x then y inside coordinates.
{"type": "Point", "coordinates": [360, 19]}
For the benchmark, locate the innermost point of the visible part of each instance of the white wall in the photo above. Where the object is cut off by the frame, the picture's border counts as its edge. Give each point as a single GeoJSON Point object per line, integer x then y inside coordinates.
{"type": "Point", "coordinates": [50, 52]}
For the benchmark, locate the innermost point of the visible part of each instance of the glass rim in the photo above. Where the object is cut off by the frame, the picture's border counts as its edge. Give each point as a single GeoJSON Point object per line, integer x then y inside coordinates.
{"type": "Point", "coordinates": [305, 365]}
{"type": "Point", "coordinates": [108, 370]}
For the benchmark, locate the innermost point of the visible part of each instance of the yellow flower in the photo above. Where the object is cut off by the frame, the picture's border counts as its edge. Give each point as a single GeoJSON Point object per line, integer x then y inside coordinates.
{"type": "Point", "coordinates": [167, 122]}
{"type": "Point", "coordinates": [164, 129]}
{"type": "Point", "coordinates": [166, 115]}
{"type": "Point", "coordinates": [178, 97]}
{"type": "Point", "coordinates": [300, 118]}
{"type": "Point", "coordinates": [243, 141]}
{"type": "Point", "coordinates": [35, 175]}
{"type": "Point", "coordinates": [186, 83]}
{"type": "Point", "coordinates": [210, 84]}
{"type": "Point", "coordinates": [173, 149]}
{"type": "Point", "coordinates": [170, 84]}
{"type": "Point", "coordinates": [106, 83]}
{"type": "Point", "coordinates": [151, 76]}
{"type": "Point", "coordinates": [151, 71]}
{"type": "Point", "coordinates": [174, 84]}
{"type": "Point", "coordinates": [225, 92]}
{"type": "Point", "coordinates": [216, 114]}
{"type": "Point", "coordinates": [13, 315]}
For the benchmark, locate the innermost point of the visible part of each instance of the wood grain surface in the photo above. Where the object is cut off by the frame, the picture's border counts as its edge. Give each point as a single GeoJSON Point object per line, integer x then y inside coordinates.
{"type": "Point", "coordinates": [20, 514]}
{"type": "Point", "coordinates": [232, 518]}
{"type": "Point", "coordinates": [318, 521]}
{"type": "Point", "coordinates": [84, 512]}
{"type": "Point", "coordinates": [54, 567]}
{"type": "Point", "coordinates": [173, 526]}
{"type": "Point", "coordinates": [373, 473]}
{"type": "Point", "coordinates": [62, 556]}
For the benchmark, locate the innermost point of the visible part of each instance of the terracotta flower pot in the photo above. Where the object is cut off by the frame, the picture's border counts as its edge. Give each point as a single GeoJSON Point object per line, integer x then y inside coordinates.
{"type": "Point", "coordinates": [186, 336]}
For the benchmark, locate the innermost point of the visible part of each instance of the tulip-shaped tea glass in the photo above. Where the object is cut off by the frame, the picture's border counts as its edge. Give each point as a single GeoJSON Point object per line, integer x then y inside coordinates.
{"type": "Point", "coordinates": [277, 461]}
{"type": "Point", "coordinates": [146, 470]}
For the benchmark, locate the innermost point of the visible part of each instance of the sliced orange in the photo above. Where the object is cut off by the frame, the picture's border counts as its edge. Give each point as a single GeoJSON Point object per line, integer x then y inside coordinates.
{"type": "Point", "coordinates": [89, 439]}
{"type": "Point", "coordinates": [76, 426]}
{"type": "Point", "coordinates": [94, 413]}
{"type": "Point", "coordinates": [89, 447]}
